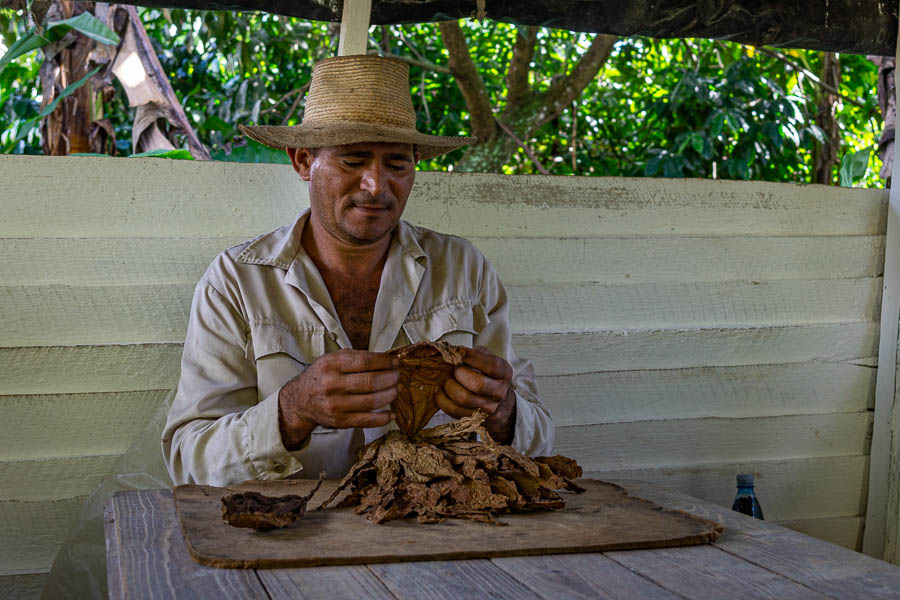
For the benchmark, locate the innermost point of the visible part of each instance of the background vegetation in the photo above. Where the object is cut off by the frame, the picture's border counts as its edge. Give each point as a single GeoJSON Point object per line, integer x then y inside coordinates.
{"type": "Point", "coordinates": [671, 108]}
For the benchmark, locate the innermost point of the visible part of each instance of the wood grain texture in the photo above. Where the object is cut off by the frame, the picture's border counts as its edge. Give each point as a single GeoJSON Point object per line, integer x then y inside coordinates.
{"type": "Point", "coordinates": [713, 575]}
{"type": "Point", "coordinates": [683, 442]}
{"type": "Point", "coordinates": [450, 580]}
{"type": "Point", "coordinates": [25, 586]}
{"type": "Point", "coordinates": [338, 583]}
{"type": "Point", "coordinates": [32, 532]}
{"type": "Point", "coordinates": [224, 197]}
{"type": "Point", "coordinates": [153, 559]}
{"type": "Point", "coordinates": [72, 315]}
{"type": "Point", "coordinates": [74, 424]}
{"type": "Point", "coordinates": [825, 567]}
{"type": "Point", "coordinates": [142, 261]}
{"type": "Point", "coordinates": [580, 576]}
{"type": "Point", "coordinates": [752, 391]}
{"type": "Point", "coordinates": [602, 518]}
{"type": "Point", "coordinates": [52, 478]}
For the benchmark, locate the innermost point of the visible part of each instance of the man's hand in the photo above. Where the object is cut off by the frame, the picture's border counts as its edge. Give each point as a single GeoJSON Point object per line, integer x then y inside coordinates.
{"type": "Point", "coordinates": [342, 389]}
{"type": "Point", "coordinates": [483, 381]}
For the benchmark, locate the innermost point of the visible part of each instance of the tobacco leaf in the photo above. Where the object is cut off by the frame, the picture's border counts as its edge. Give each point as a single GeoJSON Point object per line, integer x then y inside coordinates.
{"type": "Point", "coordinates": [452, 471]}
{"type": "Point", "coordinates": [260, 512]}
{"type": "Point", "coordinates": [424, 367]}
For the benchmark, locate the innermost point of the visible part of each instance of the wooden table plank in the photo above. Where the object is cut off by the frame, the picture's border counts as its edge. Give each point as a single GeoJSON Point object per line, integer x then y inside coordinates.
{"type": "Point", "coordinates": [580, 576]}
{"type": "Point", "coordinates": [708, 573]}
{"type": "Point", "coordinates": [334, 583]}
{"type": "Point", "coordinates": [818, 565]}
{"type": "Point", "coordinates": [153, 560]}
{"type": "Point", "coordinates": [450, 580]}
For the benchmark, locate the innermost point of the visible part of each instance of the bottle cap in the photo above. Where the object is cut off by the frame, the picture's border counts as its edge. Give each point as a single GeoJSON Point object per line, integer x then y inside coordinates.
{"type": "Point", "coordinates": [745, 480]}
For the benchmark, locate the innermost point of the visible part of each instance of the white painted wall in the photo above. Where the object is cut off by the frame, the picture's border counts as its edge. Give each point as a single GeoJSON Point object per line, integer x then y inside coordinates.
{"type": "Point", "coordinates": [683, 330]}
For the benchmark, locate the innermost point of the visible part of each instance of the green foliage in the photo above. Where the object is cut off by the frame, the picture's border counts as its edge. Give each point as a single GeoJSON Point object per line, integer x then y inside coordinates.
{"type": "Point", "coordinates": [854, 166]}
{"type": "Point", "coordinates": [671, 108]}
{"type": "Point", "coordinates": [85, 23]}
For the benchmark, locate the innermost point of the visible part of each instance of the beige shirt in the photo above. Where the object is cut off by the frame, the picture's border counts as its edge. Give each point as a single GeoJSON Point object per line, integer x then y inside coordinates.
{"type": "Point", "coordinates": [261, 314]}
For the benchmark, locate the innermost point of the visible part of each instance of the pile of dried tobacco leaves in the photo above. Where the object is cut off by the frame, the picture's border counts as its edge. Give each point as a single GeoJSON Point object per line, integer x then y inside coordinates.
{"type": "Point", "coordinates": [445, 472]}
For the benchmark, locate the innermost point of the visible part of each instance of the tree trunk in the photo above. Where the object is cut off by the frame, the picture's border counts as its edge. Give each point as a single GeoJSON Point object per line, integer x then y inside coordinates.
{"type": "Point", "coordinates": [71, 128]}
{"type": "Point", "coordinates": [825, 154]}
{"type": "Point", "coordinates": [887, 100]}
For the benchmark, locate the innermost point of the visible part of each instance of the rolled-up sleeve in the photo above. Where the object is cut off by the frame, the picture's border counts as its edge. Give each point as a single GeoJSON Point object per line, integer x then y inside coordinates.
{"type": "Point", "coordinates": [218, 431]}
{"type": "Point", "coordinates": [534, 431]}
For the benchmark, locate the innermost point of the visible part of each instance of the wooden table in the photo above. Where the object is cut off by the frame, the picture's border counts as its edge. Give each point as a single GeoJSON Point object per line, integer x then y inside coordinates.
{"type": "Point", "coordinates": [147, 558]}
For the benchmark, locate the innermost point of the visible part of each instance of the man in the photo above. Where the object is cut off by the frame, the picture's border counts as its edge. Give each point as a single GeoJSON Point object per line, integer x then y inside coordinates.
{"type": "Point", "coordinates": [284, 371]}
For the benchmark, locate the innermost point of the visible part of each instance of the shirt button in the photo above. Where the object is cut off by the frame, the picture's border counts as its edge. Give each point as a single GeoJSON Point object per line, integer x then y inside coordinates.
{"type": "Point", "coordinates": [278, 468]}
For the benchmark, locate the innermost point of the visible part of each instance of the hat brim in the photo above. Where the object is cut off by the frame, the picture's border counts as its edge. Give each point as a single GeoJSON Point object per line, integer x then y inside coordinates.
{"type": "Point", "coordinates": [313, 135]}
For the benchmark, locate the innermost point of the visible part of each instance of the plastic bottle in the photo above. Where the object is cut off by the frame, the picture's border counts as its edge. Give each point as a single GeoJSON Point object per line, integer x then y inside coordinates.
{"type": "Point", "coordinates": [745, 501]}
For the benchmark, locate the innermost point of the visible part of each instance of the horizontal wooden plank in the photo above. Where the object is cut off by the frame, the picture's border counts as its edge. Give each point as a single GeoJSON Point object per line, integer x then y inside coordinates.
{"type": "Point", "coordinates": [587, 576]}
{"type": "Point", "coordinates": [25, 586]}
{"type": "Point", "coordinates": [80, 369]}
{"type": "Point", "coordinates": [33, 480]}
{"type": "Point", "coordinates": [843, 531]}
{"type": "Point", "coordinates": [683, 442]}
{"type": "Point", "coordinates": [32, 532]}
{"type": "Point", "coordinates": [831, 569]}
{"type": "Point", "coordinates": [627, 349]}
{"type": "Point", "coordinates": [110, 368]}
{"type": "Point", "coordinates": [74, 424]}
{"type": "Point", "coordinates": [752, 391]}
{"type": "Point", "coordinates": [95, 197]}
{"type": "Point", "coordinates": [69, 315]}
{"type": "Point", "coordinates": [711, 574]}
{"type": "Point", "coordinates": [142, 261]}
{"type": "Point", "coordinates": [160, 198]}
{"type": "Point", "coordinates": [546, 308]}
{"type": "Point", "coordinates": [804, 488]}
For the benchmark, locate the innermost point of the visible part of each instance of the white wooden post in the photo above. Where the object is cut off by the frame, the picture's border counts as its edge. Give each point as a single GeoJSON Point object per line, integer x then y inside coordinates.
{"type": "Point", "coordinates": [355, 27]}
{"type": "Point", "coordinates": [881, 535]}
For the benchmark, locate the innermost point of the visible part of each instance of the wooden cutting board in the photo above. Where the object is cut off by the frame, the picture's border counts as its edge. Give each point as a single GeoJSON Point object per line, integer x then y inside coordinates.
{"type": "Point", "coordinates": [603, 518]}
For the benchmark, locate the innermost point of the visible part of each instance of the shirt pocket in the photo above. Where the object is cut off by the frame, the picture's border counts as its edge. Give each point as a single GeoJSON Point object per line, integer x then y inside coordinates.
{"type": "Point", "coordinates": [455, 322]}
{"type": "Point", "coordinates": [281, 352]}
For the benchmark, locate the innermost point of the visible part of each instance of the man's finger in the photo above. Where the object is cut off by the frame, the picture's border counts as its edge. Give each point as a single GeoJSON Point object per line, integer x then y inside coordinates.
{"type": "Point", "coordinates": [449, 407]}
{"type": "Point", "coordinates": [479, 383]}
{"type": "Point", "coordinates": [359, 361]}
{"type": "Point", "coordinates": [359, 403]}
{"type": "Point", "coordinates": [462, 397]}
{"type": "Point", "coordinates": [369, 419]}
{"type": "Point", "coordinates": [370, 381]}
{"type": "Point", "coordinates": [488, 363]}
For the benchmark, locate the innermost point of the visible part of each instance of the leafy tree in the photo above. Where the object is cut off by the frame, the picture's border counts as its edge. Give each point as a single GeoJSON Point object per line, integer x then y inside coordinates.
{"type": "Point", "coordinates": [676, 108]}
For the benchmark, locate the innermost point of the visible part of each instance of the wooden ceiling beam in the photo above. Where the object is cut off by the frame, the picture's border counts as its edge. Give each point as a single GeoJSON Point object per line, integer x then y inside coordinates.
{"type": "Point", "coordinates": [854, 26]}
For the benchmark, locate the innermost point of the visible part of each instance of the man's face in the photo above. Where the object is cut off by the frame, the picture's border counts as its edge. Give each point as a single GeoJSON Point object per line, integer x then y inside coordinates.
{"type": "Point", "coordinates": [357, 192]}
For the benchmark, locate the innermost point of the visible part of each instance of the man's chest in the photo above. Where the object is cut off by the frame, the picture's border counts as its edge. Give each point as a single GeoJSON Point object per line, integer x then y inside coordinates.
{"type": "Point", "coordinates": [354, 301]}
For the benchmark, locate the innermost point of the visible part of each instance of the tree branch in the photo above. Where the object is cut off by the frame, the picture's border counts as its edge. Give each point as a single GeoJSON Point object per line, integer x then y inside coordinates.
{"type": "Point", "coordinates": [815, 78]}
{"type": "Point", "coordinates": [424, 64]}
{"type": "Point", "coordinates": [527, 150]}
{"type": "Point", "coordinates": [517, 86]}
{"type": "Point", "coordinates": [567, 89]}
{"type": "Point", "coordinates": [469, 81]}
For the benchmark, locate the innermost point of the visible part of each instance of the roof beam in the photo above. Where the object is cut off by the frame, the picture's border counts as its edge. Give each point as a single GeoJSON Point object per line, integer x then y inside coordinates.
{"type": "Point", "coordinates": [854, 26]}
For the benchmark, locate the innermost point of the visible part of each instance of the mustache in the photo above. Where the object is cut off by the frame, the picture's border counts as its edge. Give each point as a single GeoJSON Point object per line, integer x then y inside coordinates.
{"type": "Point", "coordinates": [370, 201]}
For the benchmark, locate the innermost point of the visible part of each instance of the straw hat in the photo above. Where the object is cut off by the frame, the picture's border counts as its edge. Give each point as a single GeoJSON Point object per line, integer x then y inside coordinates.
{"type": "Point", "coordinates": [353, 99]}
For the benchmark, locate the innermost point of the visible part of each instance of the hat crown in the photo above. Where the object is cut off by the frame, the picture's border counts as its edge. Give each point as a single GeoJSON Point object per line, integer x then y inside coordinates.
{"type": "Point", "coordinates": [361, 89]}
